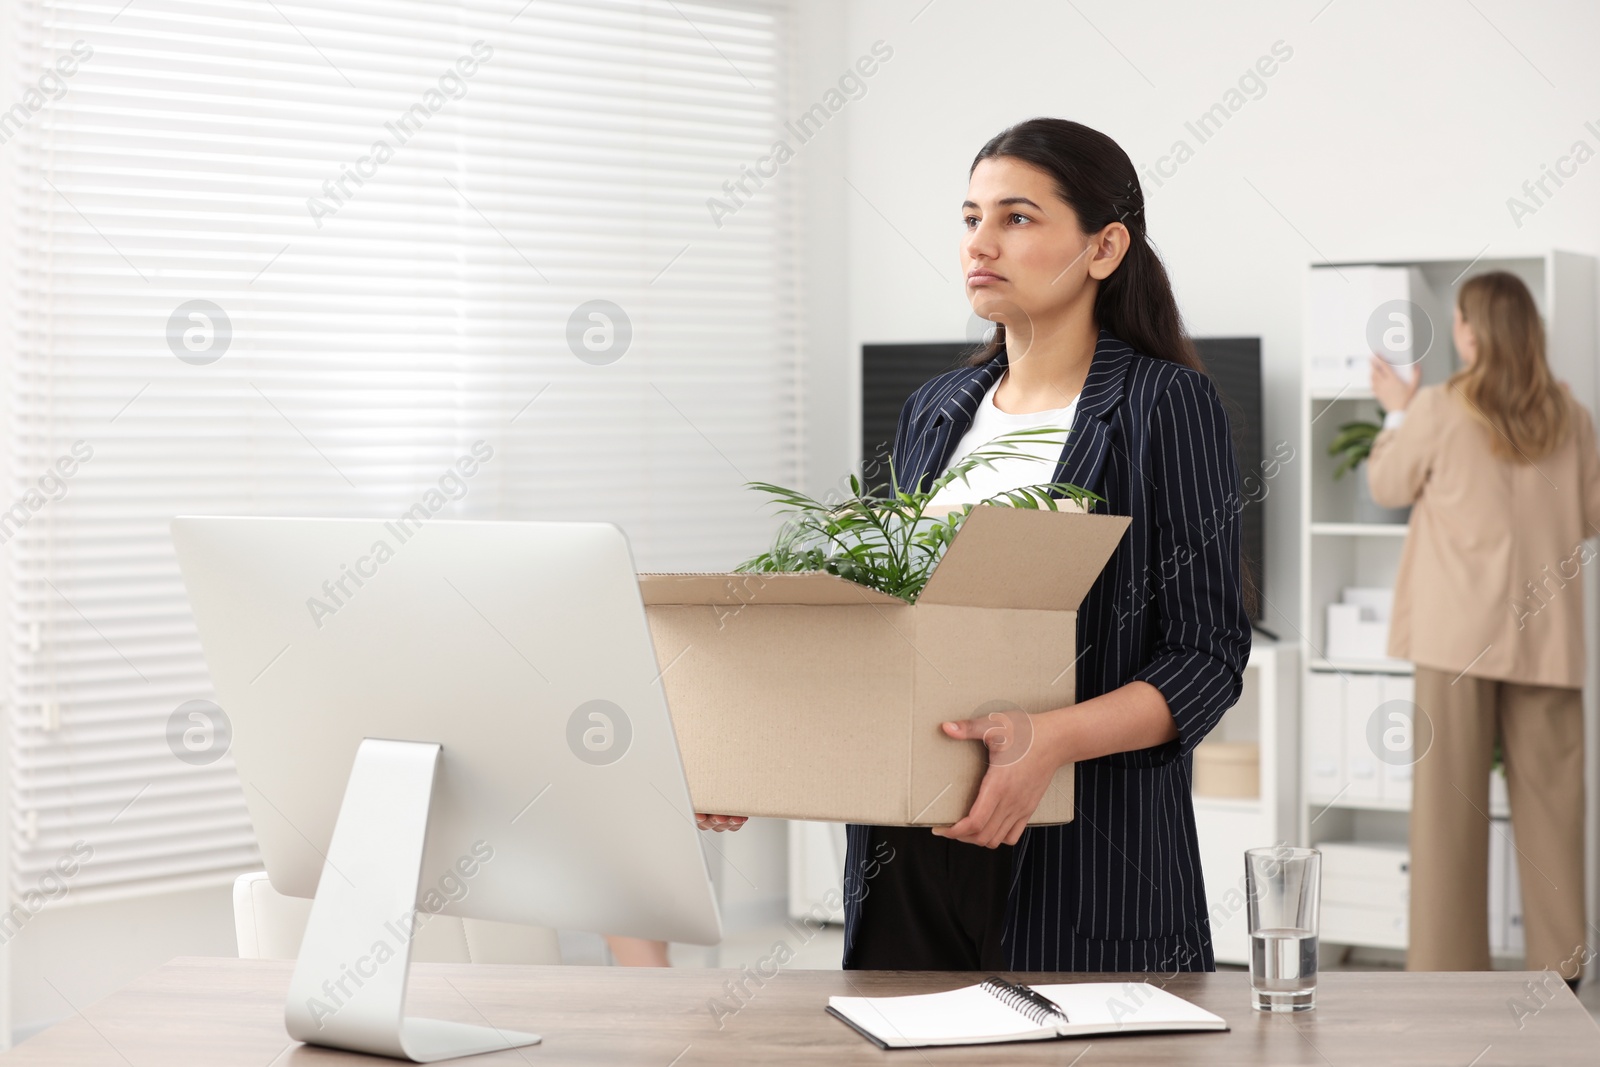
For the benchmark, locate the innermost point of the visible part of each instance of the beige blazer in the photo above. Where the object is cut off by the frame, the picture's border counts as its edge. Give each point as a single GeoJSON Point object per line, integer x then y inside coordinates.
{"type": "Point", "coordinates": [1490, 579]}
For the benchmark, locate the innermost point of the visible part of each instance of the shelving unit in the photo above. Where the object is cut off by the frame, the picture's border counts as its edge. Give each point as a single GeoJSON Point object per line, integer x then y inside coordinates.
{"type": "Point", "coordinates": [1266, 715]}
{"type": "Point", "coordinates": [816, 869]}
{"type": "Point", "coordinates": [1347, 794]}
{"type": "Point", "coordinates": [1359, 529]}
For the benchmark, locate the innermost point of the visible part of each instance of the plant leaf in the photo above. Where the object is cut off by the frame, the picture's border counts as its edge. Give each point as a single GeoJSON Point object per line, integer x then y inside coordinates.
{"type": "Point", "coordinates": [890, 542]}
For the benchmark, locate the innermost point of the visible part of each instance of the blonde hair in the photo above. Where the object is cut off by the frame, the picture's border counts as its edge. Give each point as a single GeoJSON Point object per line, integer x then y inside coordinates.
{"type": "Point", "coordinates": [1509, 385]}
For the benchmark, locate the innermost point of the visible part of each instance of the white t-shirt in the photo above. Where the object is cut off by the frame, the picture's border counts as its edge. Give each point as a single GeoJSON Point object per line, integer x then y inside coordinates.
{"type": "Point", "coordinates": [1036, 466]}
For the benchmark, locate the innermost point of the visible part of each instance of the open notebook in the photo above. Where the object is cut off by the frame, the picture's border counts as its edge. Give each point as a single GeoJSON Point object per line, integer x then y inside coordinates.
{"type": "Point", "coordinates": [997, 1010]}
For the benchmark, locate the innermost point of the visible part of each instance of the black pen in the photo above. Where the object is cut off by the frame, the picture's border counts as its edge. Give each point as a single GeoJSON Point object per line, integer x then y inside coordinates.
{"type": "Point", "coordinates": [1017, 994]}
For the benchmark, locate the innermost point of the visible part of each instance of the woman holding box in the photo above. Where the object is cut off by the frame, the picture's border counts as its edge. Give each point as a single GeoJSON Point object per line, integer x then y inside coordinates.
{"type": "Point", "coordinates": [1501, 466]}
{"type": "Point", "coordinates": [1088, 338]}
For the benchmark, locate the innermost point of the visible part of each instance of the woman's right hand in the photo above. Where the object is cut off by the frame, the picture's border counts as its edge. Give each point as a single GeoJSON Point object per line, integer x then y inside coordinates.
{"type": "Point", "coordinates": [719, 823]}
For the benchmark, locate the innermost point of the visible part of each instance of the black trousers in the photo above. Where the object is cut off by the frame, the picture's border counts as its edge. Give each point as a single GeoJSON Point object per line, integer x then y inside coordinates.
{"type": "Point", "coordinates": [932, 904]}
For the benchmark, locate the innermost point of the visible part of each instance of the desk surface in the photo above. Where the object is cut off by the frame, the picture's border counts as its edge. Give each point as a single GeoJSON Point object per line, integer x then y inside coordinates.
{"type": "Point", "coordinates": [221, 1012]}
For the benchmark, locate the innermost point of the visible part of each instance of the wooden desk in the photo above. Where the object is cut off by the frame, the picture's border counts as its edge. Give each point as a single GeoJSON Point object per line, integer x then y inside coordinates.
{"type": "Point", "coordinates": [221, 1012]}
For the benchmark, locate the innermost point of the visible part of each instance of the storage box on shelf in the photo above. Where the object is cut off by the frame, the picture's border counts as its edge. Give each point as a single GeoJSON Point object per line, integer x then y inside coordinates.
{"type": "Point", "coordinates": [1227, 770]}
{"type": "Point", "coordinates": [1505, 891]}
{"type": "Point", "coordinates": [1365, 893]}
{"type": "Point", "coordinates": [1358, 626]}
{"type": "Point", "coordinates": [1354, 763]}
{"type": "Point", "coordinates": [1358, 750]}
{"type": "Point", "coordinates": [1354, 310]}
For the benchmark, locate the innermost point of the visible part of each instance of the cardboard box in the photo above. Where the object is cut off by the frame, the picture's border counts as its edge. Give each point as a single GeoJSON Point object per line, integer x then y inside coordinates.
{"type": "Point", "coordinates": [1227, 769]}
{"type": "Point", "coordinates": [1358, 626]}
{"type": "Point", "coordinates": [807, 696]}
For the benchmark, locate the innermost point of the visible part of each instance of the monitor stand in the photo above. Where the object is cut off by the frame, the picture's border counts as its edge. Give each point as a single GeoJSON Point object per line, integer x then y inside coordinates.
{"type": "Point", "coordinates": [349, 984]}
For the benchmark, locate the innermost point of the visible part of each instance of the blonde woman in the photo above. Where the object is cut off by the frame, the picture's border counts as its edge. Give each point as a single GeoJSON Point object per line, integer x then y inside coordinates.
{"type": "Point", "coordinates": [1501, 466]}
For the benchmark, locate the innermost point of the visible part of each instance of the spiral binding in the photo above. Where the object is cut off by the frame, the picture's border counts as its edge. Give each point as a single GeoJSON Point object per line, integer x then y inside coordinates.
{"type": "Point", "coordinates": [1035, 1007]}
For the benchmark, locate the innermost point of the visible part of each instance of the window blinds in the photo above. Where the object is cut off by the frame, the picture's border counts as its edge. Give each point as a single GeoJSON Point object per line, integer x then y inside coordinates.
{"type": "Point", "coordinates": [296, 258]}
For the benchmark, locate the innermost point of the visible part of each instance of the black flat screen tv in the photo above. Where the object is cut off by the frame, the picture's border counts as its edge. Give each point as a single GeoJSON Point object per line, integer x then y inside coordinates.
{"type": "Point", "coordinates": [891, 372]}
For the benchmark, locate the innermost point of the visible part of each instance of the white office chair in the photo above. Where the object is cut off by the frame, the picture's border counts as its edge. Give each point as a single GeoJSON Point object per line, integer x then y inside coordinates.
{"type": "Point", "coordinates": [270, 926]}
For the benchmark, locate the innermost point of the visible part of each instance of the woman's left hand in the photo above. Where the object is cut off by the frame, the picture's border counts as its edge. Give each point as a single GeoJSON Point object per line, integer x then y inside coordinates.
{"type": "Point", "coordinates": [1021, 765]}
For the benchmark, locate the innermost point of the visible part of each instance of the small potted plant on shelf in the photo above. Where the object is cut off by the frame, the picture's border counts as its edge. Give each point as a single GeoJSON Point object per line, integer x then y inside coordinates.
{"type": "Point", "coordinates": [891, 541]}
{"type": "Point", "coordinates": [1351, 445]}
{"type": "Point", "coordinates": [1497, 780]}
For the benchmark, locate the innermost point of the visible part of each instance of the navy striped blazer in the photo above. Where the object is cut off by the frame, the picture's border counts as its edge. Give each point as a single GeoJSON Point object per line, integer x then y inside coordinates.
{"type": "Point", "coordinates": [1119, 888]}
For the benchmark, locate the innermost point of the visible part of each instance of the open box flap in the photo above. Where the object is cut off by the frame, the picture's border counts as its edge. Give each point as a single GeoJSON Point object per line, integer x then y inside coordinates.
{"type": "Point", "coordinates": [1006, 557]}
{"type": "Point", "coordinates": [809, 587]}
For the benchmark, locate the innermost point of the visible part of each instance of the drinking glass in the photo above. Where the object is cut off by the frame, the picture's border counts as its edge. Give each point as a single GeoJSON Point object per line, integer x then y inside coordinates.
{"type": "Point", "coordinates": [1283, 887]}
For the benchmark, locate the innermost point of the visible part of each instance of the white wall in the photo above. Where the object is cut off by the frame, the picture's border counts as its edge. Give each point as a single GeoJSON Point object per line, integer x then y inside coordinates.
{"type": "Point", "coordinates": [829, 370]}
{"type": "Point", "coordinates": [1393, 131]}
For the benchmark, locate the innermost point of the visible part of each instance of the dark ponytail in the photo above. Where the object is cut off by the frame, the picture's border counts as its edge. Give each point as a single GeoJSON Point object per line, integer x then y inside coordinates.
{"type": "Point", "coordinates": [1135, 303]}
{"type": "Point", "coordinates": [1095, 176]}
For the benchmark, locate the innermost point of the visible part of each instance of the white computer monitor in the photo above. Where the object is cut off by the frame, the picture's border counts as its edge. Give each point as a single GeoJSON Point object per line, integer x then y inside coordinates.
{"type": "Point", "coordinates": [478, 706]}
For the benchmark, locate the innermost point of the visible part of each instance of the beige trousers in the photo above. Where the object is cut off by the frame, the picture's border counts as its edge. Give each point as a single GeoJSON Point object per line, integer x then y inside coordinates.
{"type": "Point", "coordinates": [1541, 733]}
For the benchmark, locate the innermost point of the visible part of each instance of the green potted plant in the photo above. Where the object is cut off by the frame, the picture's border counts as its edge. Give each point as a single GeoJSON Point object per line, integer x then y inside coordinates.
{"type": "Point", "coordinates": [1497, 778]}
{"type": "Point", "coordinates": [1353, 442]}
{"type": "Point", "coordinates": [1351, 445]}
{"type": "Point", "coordinates": [891, 541]}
